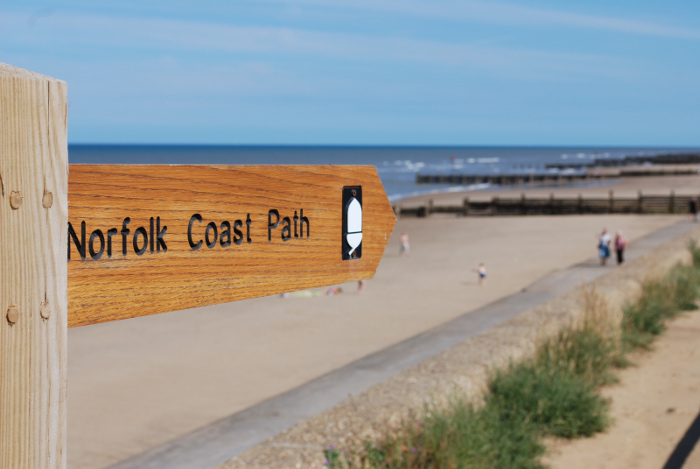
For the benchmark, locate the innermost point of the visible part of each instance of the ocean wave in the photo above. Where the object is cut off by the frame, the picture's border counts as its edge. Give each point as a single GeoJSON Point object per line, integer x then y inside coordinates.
{"type": "Point", "coordinates": [443, 190]}
{"type": "Point", "coordinates": [401, 166]}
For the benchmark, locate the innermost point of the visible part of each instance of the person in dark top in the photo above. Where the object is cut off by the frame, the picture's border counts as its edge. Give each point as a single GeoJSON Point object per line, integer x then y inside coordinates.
{"type": "Point", "coordinates": [620, 245]}
{"type": "Point", "coordinates": [694, 209]}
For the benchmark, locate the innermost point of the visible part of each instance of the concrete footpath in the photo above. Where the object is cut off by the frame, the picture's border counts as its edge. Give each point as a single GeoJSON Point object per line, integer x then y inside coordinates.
{"type": "Point", "coordinates": [232, 435]}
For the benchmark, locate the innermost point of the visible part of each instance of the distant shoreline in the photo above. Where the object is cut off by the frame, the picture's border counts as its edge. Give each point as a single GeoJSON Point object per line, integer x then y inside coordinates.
{"type": "Point", "coordinates": [627, 187]}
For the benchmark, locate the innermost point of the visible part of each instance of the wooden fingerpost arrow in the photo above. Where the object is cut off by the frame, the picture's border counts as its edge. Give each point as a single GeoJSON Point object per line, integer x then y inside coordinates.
{"type": "Point", "coordinates": [151, 239]}
{"type": "Point", "coordinates": [113, 242]}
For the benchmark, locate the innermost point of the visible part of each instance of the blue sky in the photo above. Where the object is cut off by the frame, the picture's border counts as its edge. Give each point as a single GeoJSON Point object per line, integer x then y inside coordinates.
{"type": "Point", "coordinates": [368, 71]}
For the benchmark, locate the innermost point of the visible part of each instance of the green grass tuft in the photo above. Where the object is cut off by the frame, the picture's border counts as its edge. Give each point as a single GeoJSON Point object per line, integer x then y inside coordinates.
{"type": "Point", "coordinates": [461, 436]}
{"type": "Point", "coordinates": [554, 400]}
{"type": "Point", "coordinates": [661, 300]}
{"type": "Point", "coordinates": [694, 252]}
{"type": "Point", "coordinates": [683, 281]}
{"type": "Point", "coordinates": [584, 352]}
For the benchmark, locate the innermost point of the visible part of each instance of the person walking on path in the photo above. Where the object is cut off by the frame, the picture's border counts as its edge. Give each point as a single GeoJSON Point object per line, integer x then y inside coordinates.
{"type": "Point", "coordinates": [604, 246]}
{"type": "Point", "coordinates": [620, 245]}
{"type": "Point", "coordinates": [693, 209]}
{"type": "Point", "coordinates": [404, 248]}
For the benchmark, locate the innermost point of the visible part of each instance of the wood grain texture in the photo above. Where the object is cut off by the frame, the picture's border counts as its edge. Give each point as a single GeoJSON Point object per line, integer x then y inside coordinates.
{"type": "Point", "coordinates": [33, 271]}
{"type": "Point", "coordinates": [125, 286]}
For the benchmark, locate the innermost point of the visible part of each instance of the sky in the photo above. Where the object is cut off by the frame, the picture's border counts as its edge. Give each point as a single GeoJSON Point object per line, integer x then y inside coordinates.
{"type": "Point", "coordinates": [367, 72]}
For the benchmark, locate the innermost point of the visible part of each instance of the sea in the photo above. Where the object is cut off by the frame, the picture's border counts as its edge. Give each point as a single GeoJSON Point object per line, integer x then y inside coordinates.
{"type": "Point", "coordinates": [397, 166]}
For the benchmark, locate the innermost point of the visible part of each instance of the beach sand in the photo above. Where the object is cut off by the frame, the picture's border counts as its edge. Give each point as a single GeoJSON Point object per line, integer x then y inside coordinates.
{"type": "Point", "coordinates": [137, 383]}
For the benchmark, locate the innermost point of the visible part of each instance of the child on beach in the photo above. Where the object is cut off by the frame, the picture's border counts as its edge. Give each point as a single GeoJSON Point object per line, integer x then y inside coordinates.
{"type": "Point", "coordinates": [404, 248]}
{"type": "Point", "coordinates": [481, 271]}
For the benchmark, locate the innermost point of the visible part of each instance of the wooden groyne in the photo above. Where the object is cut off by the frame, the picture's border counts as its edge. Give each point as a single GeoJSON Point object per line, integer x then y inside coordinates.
{"type": "Point", "coordinates": [501, 179]}
{"type": "Point", "coordinates": [642, 204]}
{"type": "Point", "coordinates": [552, 178]}
{"type": "Point", "coordinates": [664, 159]}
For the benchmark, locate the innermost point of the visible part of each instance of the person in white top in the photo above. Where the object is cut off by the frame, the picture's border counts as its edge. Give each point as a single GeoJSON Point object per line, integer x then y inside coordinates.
{"type": "Point", "coordinates": [604, 246]}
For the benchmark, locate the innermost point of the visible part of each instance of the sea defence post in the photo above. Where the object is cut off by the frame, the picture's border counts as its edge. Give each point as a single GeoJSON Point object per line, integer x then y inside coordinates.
{"type": "Point", "coordinates": [83, 244]}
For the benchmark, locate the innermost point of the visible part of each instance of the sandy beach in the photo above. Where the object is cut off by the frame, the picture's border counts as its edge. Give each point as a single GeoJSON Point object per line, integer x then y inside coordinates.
{"type": "Point", "coordinates": [138, 383]}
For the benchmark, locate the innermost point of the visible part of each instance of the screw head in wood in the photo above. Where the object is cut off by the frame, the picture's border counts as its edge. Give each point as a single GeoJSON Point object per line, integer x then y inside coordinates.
{"type": "Point", "coordinates": [47, 200]}
{"type": "Point", "coordinates": [12, 314]}
{"type": "Point", "coordinates": [15, 200]}
{"type": "Point", "coordinates": [45, 310]}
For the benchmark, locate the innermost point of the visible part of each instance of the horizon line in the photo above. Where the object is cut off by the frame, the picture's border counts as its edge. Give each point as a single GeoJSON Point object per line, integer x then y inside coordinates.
{"type": "Point", "coordinates": [387, 145]}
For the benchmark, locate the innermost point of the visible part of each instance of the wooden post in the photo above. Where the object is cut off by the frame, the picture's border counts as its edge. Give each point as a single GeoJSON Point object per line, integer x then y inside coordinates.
{"type": "Point", "coordinates": [639, 202]}
{"type": "Point", "coordinates": [551, 203]}
{"type": "Point", "coordinates": [672, 202]}
{"type": "Point", "coordinates": [580, 203]}
{"type": "Point", "coordinates": [494, 205]}
{"type": "Point", "coordinates": [523, 207]}
{"type": "Point", "coordinates": [33, 269]}
{"type": "Point", "coordinates": [465, 207]}
{"type": "Point", "coordinates": [611, 204]}
{"type": "Point", "coordinates": [428, 207]}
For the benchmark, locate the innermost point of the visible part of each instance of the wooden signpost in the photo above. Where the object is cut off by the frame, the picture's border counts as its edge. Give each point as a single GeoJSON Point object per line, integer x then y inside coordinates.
{"type": "Point", "coordinates": [151, 239]}
{"type": "Point", "coordinates": [93, 243]}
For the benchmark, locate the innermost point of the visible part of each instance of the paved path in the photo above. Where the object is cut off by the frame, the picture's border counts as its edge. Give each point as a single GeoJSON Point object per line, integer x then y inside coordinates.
{"type": "Point", "coordinates": [232, 435]}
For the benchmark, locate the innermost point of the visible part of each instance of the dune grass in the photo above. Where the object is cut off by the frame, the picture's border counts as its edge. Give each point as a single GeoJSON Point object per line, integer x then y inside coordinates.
{"type": "Point", "coordinates": [554, 392]}
{"type": "Point", "coordinates": [660, 300]}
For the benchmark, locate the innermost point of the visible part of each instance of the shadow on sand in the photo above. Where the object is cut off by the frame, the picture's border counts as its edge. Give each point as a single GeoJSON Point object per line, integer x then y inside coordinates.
{"type": "Point", "coordinates": [684, 447]}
